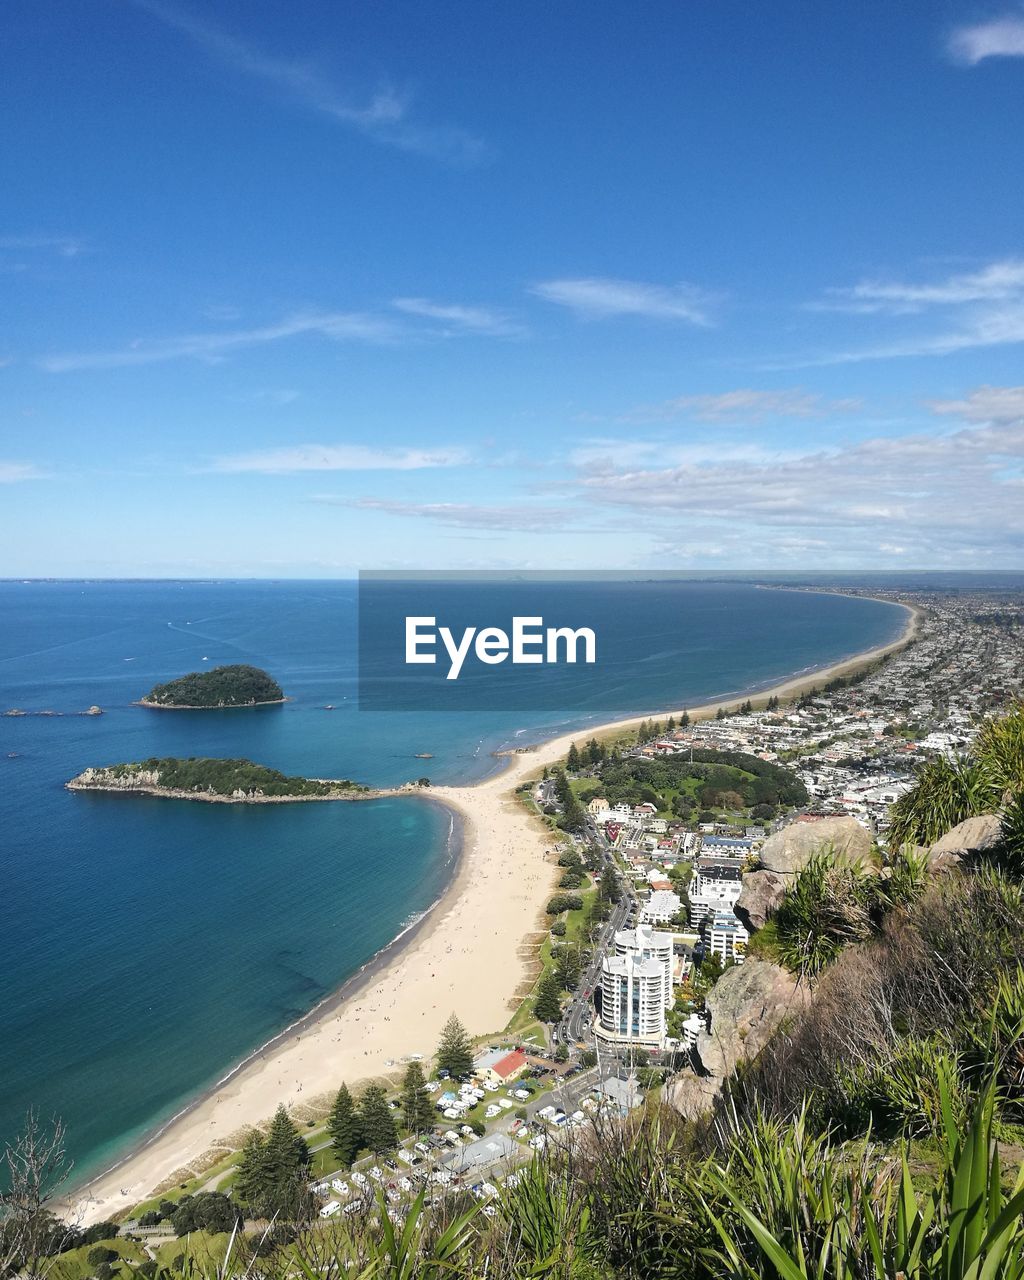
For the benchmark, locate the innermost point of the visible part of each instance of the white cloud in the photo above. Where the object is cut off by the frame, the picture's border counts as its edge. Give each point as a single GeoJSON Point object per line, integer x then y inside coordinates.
{"type": "Point", "coordinates": [611, 454]}
{"type": "Point", "coordinates": [742, 405]}
{"type": "Point", "coordinates": [975, 309]}
{"type": "Point", "coordinates": [461, 319]}
{"type": "Point", "coordinates": [989, 327]}
{"type": "Point", "coordinates": [65, 246]}
{"type": "Point", "coordinates": [596, 298]}
{"type": "Point", "coordinates": [339, 457]}
{"type": "Point", "coordinates": [384, 118]}
{"type": "Point", "coordinates": [339, 326]}
{"type": "Point", "coordinates": [465, 515]}
{"type": "Point", "coordinates": [15, 472]}
{"type": "Point", "coordinates": [998, 38]}
{"type": "Point", "coordinates": [940, 496]}
{"type": "Point", "coordinates": [985, 404]}
{"type": "Point", "coordinates": [993, 283]}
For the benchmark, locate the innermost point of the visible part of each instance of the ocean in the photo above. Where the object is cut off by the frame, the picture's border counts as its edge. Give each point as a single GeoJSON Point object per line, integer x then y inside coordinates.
{"type": "Point", "coordinates": [148, 944]}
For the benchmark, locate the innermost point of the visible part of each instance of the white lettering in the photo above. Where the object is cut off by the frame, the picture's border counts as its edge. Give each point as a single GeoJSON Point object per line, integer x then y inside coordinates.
{"type": "Point", "coordinates": [457, 652]}
{"type": "Point", "coordinates": [492, 645]}
{"type": "Point", "coordinates": [521, 638]}
{"type": "Point", "coordinates": [571, 639]}
{"type": "Point", "coordinates": [413, 640]}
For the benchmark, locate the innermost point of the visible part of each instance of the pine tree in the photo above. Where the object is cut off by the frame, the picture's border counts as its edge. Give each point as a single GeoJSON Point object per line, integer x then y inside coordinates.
{"type": "Point", "coordinates": [417, 1109]}
{"type": "Point", "coordinates": [250, 1182]}
{"type": "Point", "coordinates": [572, 760]}
{"type": "Point", "coordinates": [548, 1005]}
{"type": "Point", "coordinates": [671, 724]}
{"type": "Point", "coordinates": [684, 720]}
{"type": "Point", "coordinates": [455, 1052]}
{"type": "Point", "coordinates": [343, 1126]}
{"type": "Point", "coordinates": [284, 1162]}
{"type": "Point", "coordinates": [377, 1121]}
{"type": "Point", "coordinates": [567, 968]}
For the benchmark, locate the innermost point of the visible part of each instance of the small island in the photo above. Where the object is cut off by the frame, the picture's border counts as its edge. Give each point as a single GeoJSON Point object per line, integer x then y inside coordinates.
{"type": "Point", "coordinates": [220, 781]}
{"type": "Point", "coordinates": [217, 689]}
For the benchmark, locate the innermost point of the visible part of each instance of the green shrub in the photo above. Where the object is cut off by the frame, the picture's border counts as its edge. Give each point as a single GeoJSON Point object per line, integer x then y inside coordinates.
{"type": "Point", "coordinates": [946, 793]}
{"type": "Point", "coordinates": [827, 907]}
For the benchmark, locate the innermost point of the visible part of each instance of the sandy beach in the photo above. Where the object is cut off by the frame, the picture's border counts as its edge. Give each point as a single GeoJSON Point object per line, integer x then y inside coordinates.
{"type": "Point", "coordinates": [469, 956]}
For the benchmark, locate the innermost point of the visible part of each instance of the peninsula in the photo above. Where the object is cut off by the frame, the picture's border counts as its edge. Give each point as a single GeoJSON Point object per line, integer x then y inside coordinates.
{"type": "Point", "coordinates": [220, 781]}
{"type": "Point", "coordinates": [218, 689]}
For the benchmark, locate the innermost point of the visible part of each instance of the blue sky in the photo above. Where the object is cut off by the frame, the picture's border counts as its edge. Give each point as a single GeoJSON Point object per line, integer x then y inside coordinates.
{"type": "Point", "coordinates": [293, 290]}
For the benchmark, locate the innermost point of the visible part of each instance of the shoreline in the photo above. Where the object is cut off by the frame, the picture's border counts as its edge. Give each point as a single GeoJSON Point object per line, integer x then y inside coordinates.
{"type": "Point", "coordinates": [233, 706]}
{"type": "Point", "coordinates": [213, 797]}
{"type": "Point", "coordinates": [480, 925]}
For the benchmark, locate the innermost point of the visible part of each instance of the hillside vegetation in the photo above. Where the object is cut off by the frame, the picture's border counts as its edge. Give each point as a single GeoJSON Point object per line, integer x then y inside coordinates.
{"type": "Point", "coordinates": [677, 784]}
{"type": "Point", "coordinates": [230, 686]}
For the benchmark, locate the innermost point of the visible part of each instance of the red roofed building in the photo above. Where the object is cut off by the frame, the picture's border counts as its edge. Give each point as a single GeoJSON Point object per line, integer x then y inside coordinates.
{"type": "Point", "coordinates": [500, 1066]}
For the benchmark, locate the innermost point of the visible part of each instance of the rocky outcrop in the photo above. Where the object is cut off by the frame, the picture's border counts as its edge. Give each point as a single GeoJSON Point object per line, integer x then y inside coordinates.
{"type": "Point", "coordinates": [974, 836]}
{"type": "Point", "coordinates": [761, 895]}
{"type": "Point", "coordinates": [107, 779]}
{"type": "Point", "coordinates": [746, 1006]}
{"type": "Point", "coordinates": [789, 850]}
{"type": "Point", "coordinates": [693, 1096]}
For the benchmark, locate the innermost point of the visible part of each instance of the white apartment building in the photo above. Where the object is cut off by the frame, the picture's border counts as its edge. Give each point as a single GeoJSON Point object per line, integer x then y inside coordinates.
{"type": "Point", "coordinates": [661, 907]}
{"type": "Point", "coordinates": [636, 987]}
{"type": "Point", "coordinates": [651, 944]}
{"type": "Point", "coordinates": [632, 1000]}
{"type": "Point", "coordinates": [715, 889]}
{"type": "Point", "coordinates": [728, 938]}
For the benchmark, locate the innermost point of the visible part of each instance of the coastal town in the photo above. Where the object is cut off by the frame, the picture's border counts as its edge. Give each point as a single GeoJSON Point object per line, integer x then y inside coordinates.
{"type": "Point", "coordinates": [649, 911]}
{"type": "Point", "coordinates": [636, 1011]}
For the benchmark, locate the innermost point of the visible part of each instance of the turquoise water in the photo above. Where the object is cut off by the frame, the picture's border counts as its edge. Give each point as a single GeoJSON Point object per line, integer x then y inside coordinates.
{"type": "Point", "coordinates": [147, 944]}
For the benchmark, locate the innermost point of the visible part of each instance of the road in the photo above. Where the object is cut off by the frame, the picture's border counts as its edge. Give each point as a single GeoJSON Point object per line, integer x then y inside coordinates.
{"type": "Point", "coordinates": [578, 1015]}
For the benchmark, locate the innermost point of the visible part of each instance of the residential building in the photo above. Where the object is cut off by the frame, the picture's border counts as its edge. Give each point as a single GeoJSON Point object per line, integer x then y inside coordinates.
{"type": "Point", "coordinates": [716, 886]}
{"type": "Point", "coordinates": [661, 907]}
{"type": "Point", "coordinates": [651, 944]}
{"type": "Point", "coordinates": [727, 938]}
{"type": "Point", "coordinates": [636, 987]}
{"type": "Point", "coordinates": [632, 1000]}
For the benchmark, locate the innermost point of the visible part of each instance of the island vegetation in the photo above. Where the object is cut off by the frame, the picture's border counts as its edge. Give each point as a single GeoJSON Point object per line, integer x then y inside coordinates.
{"type": "Point", "coordinates": [201, 778]}
{"type": "Point", "coordinates": [231, 686]}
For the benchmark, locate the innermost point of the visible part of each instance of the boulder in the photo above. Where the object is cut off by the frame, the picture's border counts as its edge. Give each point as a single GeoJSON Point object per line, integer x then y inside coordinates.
{"type": "Point", "coordinates": [789, 850]}
{"type": "Point", "coordinates": [746, 1005]}
{"type": "Point", "coordinates": [762, 892]}
{"type": "Point", "coordinates": [973, 836]}
{"type": "Point", "coordinates": [693, 1096]}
